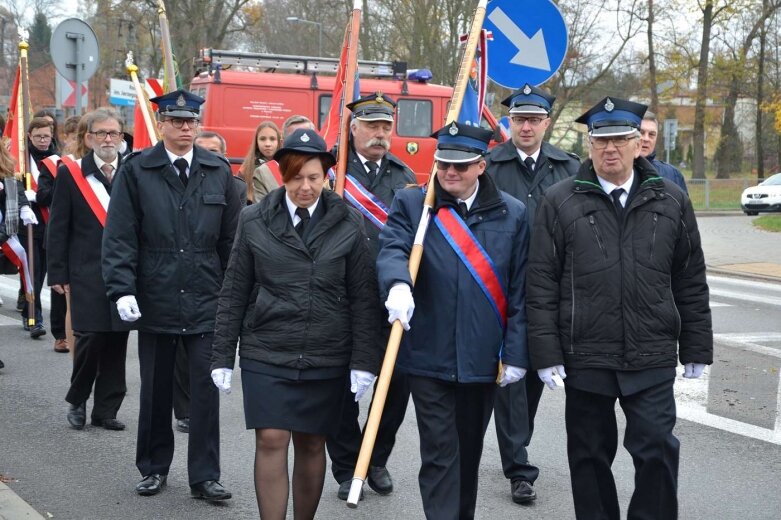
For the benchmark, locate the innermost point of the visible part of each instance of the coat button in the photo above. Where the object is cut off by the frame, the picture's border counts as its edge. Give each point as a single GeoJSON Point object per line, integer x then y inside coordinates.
{"type": "Point", "coordinates": [181, 250]}
{"type": "Point", "coordinates": [184, 330]}
{"type": "Point", "coordinates": [182, 291]}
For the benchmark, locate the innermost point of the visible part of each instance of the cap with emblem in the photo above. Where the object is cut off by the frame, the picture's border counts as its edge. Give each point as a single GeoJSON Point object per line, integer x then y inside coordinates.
{"type": "Point", "coordinates": [459, 143]}
{"type": "Point", "coordinates": [374, 107]}
{"type": "Point", "coordinates": [529, 100]}
{"type": "Point", "coordinates": [306, 141]}
{"type": "Point", "coordinates": [613, 117]}
{"type": "Point", "coordinates": [179, 103]}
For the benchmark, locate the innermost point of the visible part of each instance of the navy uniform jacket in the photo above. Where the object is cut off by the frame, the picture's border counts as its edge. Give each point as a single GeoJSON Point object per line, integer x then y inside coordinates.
{"type": "Point", "coordinates": [668, 171]}
{"type": "Point", "coordinates": [509, 173]}
{"type": "Point", "coordinates": [454, 334]}
{"type": "Point", "coordinates": [167, 245]}
{"type": "Point", "coordinates": [73, 242]}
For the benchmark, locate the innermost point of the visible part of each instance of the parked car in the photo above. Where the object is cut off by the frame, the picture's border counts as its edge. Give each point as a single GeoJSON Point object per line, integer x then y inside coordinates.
{"type": "Point", "coordinates": [762, 198]}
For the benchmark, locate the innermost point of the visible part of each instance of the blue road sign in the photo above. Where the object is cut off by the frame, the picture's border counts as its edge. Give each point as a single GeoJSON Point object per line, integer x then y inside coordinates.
{"type": "Point", "coordinates": [529, 41]}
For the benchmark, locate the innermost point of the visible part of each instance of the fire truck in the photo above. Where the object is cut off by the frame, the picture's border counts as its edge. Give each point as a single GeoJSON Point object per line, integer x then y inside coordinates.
{"type": "Point", "coordinates": [244, 89]}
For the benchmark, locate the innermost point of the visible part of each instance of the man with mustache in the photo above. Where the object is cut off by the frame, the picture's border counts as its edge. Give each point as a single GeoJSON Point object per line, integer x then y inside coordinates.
{"type": "Point", "coordinates": [374, 169]}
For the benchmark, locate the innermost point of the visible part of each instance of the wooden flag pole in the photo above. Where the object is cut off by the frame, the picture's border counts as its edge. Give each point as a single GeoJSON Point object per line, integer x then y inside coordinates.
{"type": "Point", "coordinates": [141, 99]}
{"type": "Point", "coordinates": [22, 113]}
{"type": "Point", "coordinates": [169, 85]}
{"type": "Point", "coordinates": [392, 350]}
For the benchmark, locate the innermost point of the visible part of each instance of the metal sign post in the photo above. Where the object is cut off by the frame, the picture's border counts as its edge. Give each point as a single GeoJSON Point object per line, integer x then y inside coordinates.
{"type": "Point", "coordinates": [670, 134]}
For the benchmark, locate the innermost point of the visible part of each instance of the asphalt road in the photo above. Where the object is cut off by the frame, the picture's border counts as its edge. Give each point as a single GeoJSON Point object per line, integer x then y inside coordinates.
{"type": "Point", "coordinates": [729, 429]}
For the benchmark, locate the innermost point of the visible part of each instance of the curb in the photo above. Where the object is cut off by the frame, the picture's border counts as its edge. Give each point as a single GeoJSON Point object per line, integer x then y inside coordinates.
{"type": "Point", "coordinates": [14, 508]}
{"type": "Point", "coordinates": [740, 274]}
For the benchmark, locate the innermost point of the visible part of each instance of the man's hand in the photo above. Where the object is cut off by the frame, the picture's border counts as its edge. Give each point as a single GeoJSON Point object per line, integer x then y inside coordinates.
{"type": "Point", "coordinates": [546, 375]}
{"type": "Point", "coordinates": [360, 381]}
{"type": "Point", "coordinates": [61, 289]}
{"type": "Point", "coordinates": [222, 379]}
{"type": "Point", "coordinates": [127, 307]}
{"type": "Point", "coordinates": [511, 374]}
{"type": "Point", "coordinates": [400, 304]}
{"type": "Point", "coordinates": [693, 370]}
{"type": "Point", "coordinates": [28, 216]}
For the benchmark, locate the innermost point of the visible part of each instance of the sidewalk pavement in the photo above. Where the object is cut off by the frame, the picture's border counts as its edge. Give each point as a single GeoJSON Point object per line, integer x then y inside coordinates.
{"type": "Point", "coordinates": [734, 247]}
{"type": "Point", "coordinates": [14, 508]}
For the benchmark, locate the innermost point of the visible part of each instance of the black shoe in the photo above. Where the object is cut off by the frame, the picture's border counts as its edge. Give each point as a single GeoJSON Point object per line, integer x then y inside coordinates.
{"type": "Point", "coordinates": [380, 480]}
{"type": "Point", "coordinates": [25, 326]}
{"type": "Point", "coordinates": [109, 424]}
{"type": "Point", "coordinates": [21, 301]}
{"type": "Point", "coordinates": [522, 491]}
{"type": "Point", "coordinates": [183, 425]}
{"type": "Point", "coordinates": [210, 490]}
{"type": "Point", "coordinates": [151, 485]}
{"type": "Point", "coordinates": [77, 416]}
{"type": "Point", "coordinates": [344, 490]}
{"type": "Point", "coordinates": [37, 331]}
{"type": "Point", "coordinates": [2, 365]}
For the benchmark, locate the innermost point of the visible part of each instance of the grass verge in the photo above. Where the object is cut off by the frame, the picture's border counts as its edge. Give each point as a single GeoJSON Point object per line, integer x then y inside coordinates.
{"type": "Point", "coordinates": [768, 222]}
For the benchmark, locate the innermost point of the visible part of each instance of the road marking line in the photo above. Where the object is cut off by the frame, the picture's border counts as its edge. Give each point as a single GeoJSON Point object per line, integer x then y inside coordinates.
{"type": "Point", "coordinates": [717, 304]}
{"type": "Point", "coordinates": [755, 298]}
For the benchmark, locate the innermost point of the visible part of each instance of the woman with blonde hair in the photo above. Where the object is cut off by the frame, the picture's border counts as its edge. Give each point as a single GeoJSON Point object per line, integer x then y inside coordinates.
{"type": "Point", "coordinates": [268, 139]}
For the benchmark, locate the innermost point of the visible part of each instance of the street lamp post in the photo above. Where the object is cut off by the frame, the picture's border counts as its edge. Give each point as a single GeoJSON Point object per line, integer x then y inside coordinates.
{"type": "Point", "coordinates": [296, 19]}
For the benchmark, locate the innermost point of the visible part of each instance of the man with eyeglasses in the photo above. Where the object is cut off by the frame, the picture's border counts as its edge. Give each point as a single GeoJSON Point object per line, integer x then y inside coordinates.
{"type": "Point", "coordinates": [81, 194]}
{"type": "Point", "coordinates": [468, 332]}
{"type": "Point", "coordinates": [40, 145]}
{"type": "Point", "coordinates": [168, 236]}
{"type": "Point", "coordinates": [379, 175]}
{"type": "Point", "coordinates": [616, 296]}
{"type": "Point", "coordinates": [525, 167]}
{"type": "Point", "coordinates": [649, 132]}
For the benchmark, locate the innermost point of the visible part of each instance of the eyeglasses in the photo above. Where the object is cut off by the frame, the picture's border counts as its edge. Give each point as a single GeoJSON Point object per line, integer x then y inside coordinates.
{"type": "Point", "coordinates": [600, 143]}
{"type": "Point", "coordinates": [459, 167]}
{"type": "Point", "coordinates": [40, 137]}
{"type": "Point", "coordinates": [179, 123]}
{"type": "Point", "coordinates": [101, 135]}
{"type": "Point", "coordinates": [533, 121]}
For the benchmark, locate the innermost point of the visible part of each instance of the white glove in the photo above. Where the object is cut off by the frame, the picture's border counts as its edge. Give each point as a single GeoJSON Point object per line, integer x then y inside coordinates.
{"type": "Point", "coordinates": [222, 379]}
{"type": "Point", "coordinates": [28, 216]}
{"type": "Point", "coordinates": [511, 374]}
{"type": "Point", "coordinates": [30, 194]}
{"type": "Point", "coordinates": [693, 370]}
{"type": "Point", "coordinates": [360, 381]}
{"type": "Point", "coordinates": [400, 304]}
{"type": "Point", "coordinates": [546, 375]}
{"type": "Point", "coordinates": [127, 307]}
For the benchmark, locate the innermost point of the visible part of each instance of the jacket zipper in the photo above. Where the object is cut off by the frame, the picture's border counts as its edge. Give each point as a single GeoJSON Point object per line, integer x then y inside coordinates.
{"type": "Point", "coordinates": [653, 237]}
{"type": "Point", "coordinates": [572, 312]}
{"type": "Point", "coordinates": [595, 228]}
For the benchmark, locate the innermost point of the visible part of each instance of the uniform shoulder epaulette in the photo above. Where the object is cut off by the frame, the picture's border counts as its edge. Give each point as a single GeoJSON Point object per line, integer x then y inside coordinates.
{"type": "Point", "coordinates": [130, 156]}
{"type": "Point", "coordinates": [574, 155]}
{"type": "Point", "coordinates": [224, 159]}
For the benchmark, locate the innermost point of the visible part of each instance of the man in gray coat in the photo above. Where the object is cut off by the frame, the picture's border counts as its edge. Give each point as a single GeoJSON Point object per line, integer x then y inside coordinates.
{"type": "Point", "coordinates": [524, 167]}
{"type": "Point", "coordinates": [169, 231]}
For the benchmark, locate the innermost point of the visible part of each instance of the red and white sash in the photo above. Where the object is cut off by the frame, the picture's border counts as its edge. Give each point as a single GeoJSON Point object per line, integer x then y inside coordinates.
{"type": "Point", "coordinates": [93, 191]}
{"type": "Point", "coordinates": [14, 251]}
{"type": "Point", "coordinates": [273, 167]}
{"type": "Point", "coordinates": [51, 164]}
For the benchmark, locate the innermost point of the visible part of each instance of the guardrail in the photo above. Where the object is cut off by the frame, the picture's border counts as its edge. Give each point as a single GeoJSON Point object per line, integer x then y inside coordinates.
{"type": "Point", "coordinates": [717, 194]}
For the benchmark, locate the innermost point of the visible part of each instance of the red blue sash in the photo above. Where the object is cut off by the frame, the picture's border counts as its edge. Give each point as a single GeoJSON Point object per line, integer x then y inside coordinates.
{"type": "Point", "coordinates": [363, 200]}
{"type": "Point", "coordinates": [475, 258]}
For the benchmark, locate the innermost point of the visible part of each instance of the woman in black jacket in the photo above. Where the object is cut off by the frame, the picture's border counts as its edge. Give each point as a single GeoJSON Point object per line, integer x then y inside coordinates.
{"type": "Point", "coordinates": [300, 292]}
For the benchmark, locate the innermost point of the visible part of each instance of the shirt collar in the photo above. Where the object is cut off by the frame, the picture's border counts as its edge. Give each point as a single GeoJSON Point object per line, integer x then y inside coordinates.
{"type": "Point", "coordinates": [364, 160]}
{"type": "Point", "coordinates": [187, 157]}
{"type": "Point", "coordinates": [523, 155]}
{"type": "Point", "coordinates": [100, 162]}
{"type": "Point", "coordinates": [291, 209]}
{"type": "Point", "coordinates": [469, 201]}
{"type": "Point", "coordinates": [609, 186]}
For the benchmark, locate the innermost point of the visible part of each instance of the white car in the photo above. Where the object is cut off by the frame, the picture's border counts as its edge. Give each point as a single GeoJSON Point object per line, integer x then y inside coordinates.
{"type": "Point", "coordinates": [763, 198]}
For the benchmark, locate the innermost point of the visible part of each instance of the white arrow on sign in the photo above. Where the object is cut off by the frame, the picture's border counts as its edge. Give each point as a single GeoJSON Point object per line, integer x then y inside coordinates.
{"type": "Point", "coordinates": [531, 51]}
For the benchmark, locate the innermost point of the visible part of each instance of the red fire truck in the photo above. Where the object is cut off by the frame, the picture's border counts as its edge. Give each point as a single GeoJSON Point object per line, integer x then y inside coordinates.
{"type": "Point", "coordinates": [243, 89]}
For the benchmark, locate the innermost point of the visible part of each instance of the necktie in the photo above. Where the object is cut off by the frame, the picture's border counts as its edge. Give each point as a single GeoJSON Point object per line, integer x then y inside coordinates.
{"type": "Point", "coordinates": [529, 162]}
{"type": "Point", "coordinates": [373, 167]}
{"type": "Point", "coordinates": [181, 165]}
{"type": "Point", "coordinates": [303, 214]}
{"type": "Point", "coordinates": [107, 169]}
{"type": "Point", "coordinates": [463, 209]}
{"type": "Point", "coordinates": [616, 194]}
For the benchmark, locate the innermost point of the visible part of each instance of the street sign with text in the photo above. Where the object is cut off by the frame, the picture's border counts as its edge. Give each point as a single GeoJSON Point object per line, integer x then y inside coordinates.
{"type": "Point", "coordinates": [530, 41]}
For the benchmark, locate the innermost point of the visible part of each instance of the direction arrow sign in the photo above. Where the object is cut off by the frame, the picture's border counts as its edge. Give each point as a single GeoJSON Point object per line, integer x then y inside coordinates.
{"type": "Point", "coordinates": [530, 41]}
